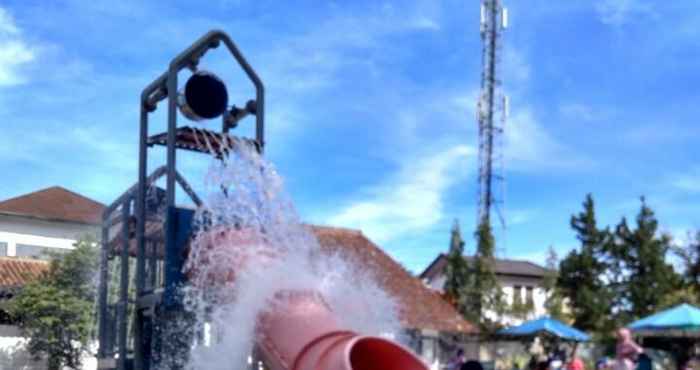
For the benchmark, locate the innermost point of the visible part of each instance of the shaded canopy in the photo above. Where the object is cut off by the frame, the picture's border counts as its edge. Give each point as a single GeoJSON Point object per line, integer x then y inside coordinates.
{"type": "Point", "coordinates": [679, 321]}
{"type": "Point", "coordinates": [545, 325]}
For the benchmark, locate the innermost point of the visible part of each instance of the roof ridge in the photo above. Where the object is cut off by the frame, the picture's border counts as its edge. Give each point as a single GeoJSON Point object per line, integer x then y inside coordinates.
{"type": "Point", "coordinates": [59, 187]}
{"type": "Point", "coordinates": [54, 203]}
{"type": "Point", "coordinates": [520, 260]}
{"type": "Point", "coordinates": [338, 228]}
{"type": "Point", "coordinates": [23, 259]}
{"type": "Point", "coordinates": [54, 187]}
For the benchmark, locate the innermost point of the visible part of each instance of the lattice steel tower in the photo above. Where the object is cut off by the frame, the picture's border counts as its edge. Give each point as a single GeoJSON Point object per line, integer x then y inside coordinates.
{"type": "Point", "coordinates": [492, 111]}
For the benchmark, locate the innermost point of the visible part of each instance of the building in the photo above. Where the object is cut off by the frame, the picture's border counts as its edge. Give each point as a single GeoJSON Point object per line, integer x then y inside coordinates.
{"type": "Point", "coordinates": [521, 281]}
{"type": "Point", "coordinates": [48, 220]}
{"type": "Point", "coordinates": [522, 285]}
{"type": "Point", "coordinates": [51, 219]}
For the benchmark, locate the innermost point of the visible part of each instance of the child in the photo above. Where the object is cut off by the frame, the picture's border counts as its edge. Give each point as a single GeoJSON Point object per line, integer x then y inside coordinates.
{"type": "Point", "coordinates": [626, 351]}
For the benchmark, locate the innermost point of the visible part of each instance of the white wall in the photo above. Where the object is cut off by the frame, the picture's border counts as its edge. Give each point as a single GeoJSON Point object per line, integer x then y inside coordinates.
{"type": "Point", "coordinates": [54, 234]}
{"type": "Point", "coordinates": [508, 284]}
{"type": "Point", "coordinates": [12, 352]}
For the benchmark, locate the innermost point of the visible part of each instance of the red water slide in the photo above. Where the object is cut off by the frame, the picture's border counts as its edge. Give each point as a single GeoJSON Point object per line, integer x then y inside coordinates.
{"type": "Point", "coordinates": [299, 331]}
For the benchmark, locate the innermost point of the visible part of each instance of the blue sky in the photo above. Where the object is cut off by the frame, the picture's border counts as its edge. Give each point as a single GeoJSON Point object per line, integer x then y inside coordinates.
{"type": "Point", "coordinates": [371, 107]}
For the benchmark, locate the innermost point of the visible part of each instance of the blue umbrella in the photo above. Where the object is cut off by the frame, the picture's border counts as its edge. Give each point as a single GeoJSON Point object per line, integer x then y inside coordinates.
{"type": "Point", "coordinates": [546, 325]}
{"type": "Point", "coordinates": [682, 320]}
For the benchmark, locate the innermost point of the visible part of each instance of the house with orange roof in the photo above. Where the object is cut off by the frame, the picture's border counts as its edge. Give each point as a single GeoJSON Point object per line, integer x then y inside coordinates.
{"type": "Point", "coordinates": [50, 219]}
{"type": "Point", "coordinates": [47, 220]}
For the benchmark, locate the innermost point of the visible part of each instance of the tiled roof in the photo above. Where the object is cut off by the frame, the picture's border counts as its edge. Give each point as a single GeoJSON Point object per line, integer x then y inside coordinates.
{"type": "Point", "coordinates": [15, 272]}
{"type": "Point", "coordinates": [504, 267]}
{"type": "Point", "coordinates": [419, 306]}
{"type": "Point", "coordinates": [55, 203]}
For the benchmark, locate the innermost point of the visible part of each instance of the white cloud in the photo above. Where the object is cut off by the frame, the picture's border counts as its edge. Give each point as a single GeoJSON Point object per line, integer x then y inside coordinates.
{"type": "Point", "coordinates": [577, 111]}
{"type": "Point", "coordinates": [425, 23]}
{"type": "Point", "coordinates": [520, 216]}
{"type": "Point", "coordinates": [529, 146]}
{"type": "Point", "coordinates": [14, 51]}
{"type": "Point", "coordinates": [619, 12]}
{"type": "Point", "coordinates": [412, 201]}
{"type": "Point", "coordinates": [516, 68]}
{"type": "Point", "coordinates": [7, 23]}
{"type": "Point", "coordinates": [688, 181]}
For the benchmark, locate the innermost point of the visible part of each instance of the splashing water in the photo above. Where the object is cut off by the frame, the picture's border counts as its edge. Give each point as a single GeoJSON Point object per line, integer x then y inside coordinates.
{"type": "Point", "coordinates": [271, 252]}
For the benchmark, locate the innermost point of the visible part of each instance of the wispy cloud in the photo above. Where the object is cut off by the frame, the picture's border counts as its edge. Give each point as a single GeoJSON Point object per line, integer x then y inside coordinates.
{"type": "Point", "coordinates": [516, 68]}
{"type": "Point", "coordinates": [15, 53]}
{"type": "Point", "coordinates": [411, 201]}
{"type": "Point", "coordinates": [578, 111]}
{"type": "Point", "coordinates": [656, 133]}
{"type": "Point", "coordinates": [620, 12]}
{"type": "Point", "coordinates": [688, 181]}
{"type": "Point", "coordinates": [529, 146]}
{"type": "Point", "coordinates": [520, 216]}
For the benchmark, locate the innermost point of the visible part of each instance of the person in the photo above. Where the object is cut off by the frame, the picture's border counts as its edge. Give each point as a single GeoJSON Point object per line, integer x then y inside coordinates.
{"type": "Point", "coordinates": [456, 362]}
{"type": "Point", "coordinates": [575, 363]}
{"type": "Point", "coordinates": [557, 359]}
{"type": "Point", "coordinates": [602, 363]}
{"type": "Point", "coordinates": [644, 362]}
{"type": "Point", "coordinates": [544, 364]}
{"type": "Point", "coordinates": [626, 351]}
{"type": "Point", "coordinates": [471, 365]}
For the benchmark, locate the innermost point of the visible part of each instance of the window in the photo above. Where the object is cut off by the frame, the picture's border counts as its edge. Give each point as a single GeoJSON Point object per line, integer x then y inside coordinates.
{"type": "Point", "coordinates": [3, 249]}
{"type": "Point", "coordinates": [517, 295]}
{"type": "Point", "coordinates": [36, 251]}
{"type": "Point", "coordinates": [530, 296]}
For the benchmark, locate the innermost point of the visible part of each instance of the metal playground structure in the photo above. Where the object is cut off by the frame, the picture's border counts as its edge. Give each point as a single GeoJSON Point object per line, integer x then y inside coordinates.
{"type": "Point", "coordinates": [146, 225]}
{"type": "Point", "coordinates": [143, 323]}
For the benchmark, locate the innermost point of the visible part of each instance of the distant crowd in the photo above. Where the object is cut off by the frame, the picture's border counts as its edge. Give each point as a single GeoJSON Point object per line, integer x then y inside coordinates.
{"type": "Point", "coordinates": [628, 356]}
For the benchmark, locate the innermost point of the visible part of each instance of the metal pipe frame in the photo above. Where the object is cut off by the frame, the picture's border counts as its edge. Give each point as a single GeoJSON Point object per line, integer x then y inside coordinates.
{"type": "Point", "coordinates": [165, 86]}
{"type": "Point", "coordinates": [124, 286]}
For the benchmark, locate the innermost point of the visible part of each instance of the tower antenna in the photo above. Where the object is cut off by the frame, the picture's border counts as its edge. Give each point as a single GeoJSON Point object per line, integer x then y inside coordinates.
{"type": "Point", "coordinates": [492, 103]}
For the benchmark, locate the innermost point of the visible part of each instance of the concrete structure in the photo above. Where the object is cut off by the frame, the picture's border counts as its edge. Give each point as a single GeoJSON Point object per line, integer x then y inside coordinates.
{"type": "Point", "coordinates": [48, 220]}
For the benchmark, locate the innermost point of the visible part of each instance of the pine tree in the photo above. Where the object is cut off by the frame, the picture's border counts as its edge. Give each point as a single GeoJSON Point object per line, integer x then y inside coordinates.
{"type": "Point", "coordinates": [457, 269]}
{"type": "Point", "coordinates": [580, 273]}
{"type": "Point", "coordinates": [483, 298]}
{"type": "Point", "coordinates": [554, 302]}
{"type": "Point", "coordinates": [642, 254]}
{"type": "Point", "coordinates": [689, 254]}
{"type": "Point", "coordinates": [693, 270]}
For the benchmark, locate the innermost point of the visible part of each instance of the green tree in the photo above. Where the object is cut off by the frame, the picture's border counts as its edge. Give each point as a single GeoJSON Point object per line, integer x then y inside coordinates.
{"type": "Point", "coordinates": [689, 254]}
{"type": "Point", "coordinates": [482, 296]}
{"type": "Point", "coordinates": [56, 311]}
{"type": "Point", "coordinates": [581, 271]}
{"type": "Point", "coordinates": [457, 269]}
{"type": "Point", "coordinates": [554, 302]}
{"type": "Point", "coordinates": [647, 277]}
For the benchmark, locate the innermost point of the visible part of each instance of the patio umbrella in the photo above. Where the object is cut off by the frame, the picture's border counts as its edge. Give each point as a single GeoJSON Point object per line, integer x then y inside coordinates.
{"type": "Point", "coordinates": [680, 321]}
{"type": "Point", "coordinates": [546, 325]}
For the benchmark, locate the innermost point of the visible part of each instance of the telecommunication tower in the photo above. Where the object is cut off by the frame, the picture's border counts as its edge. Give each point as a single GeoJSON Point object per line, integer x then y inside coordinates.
{"type": "Point", "coordinates": [492, 112]}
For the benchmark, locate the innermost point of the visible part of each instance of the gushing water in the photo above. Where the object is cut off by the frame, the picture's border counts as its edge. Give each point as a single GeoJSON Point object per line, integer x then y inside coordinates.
{"type": "Point", "coordinates": [234, 277]}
